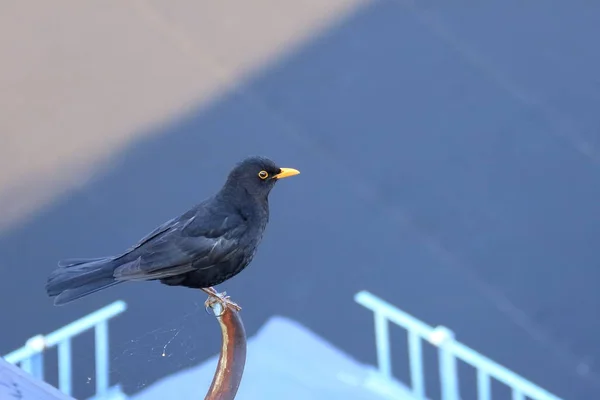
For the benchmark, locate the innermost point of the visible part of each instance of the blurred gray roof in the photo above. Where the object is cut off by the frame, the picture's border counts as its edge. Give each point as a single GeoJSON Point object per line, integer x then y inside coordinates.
{"type": "Point", "coordinates": [285, 361]}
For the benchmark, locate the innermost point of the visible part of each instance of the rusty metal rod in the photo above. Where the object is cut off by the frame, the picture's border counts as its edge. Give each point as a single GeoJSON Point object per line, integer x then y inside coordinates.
{"type": "Point", "coordinates": [232, 359]}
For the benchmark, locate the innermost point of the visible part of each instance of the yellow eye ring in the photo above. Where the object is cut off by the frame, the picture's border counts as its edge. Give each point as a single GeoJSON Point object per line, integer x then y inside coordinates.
{"type": "Point", "coordinates": [263, 175]}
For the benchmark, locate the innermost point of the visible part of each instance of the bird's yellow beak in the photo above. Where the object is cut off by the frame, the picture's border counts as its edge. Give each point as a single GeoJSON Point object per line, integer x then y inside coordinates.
{"type": "Point", "coordinates": [286, 172]}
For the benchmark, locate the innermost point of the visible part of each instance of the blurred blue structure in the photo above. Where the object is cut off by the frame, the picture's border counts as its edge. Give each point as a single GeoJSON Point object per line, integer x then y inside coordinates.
{"type": "Point", "coordinates": [287, 360]}
{"type": "Point", "coordinates": [31, 356]}
{"type": "Point", "coordinates": [448, 350]}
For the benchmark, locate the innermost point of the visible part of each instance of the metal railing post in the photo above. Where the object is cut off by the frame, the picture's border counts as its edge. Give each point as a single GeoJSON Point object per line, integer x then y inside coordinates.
{"type": "Point", "coordinates": [415, 359]}
{"type": "Point", "coordinates": [34, 364]}
{"type": "Point", "coordinates": [26, 365]}
{"type": "Point", "coordinates": [64, 366]}
{"type": "Point", "coordinates": [517, 395]}
{"type": "Point", "coordinates": [101, 338]}
{"type": "Point", "coordinates": [443, 338]}
{"type": "Point", "coordinates": [483, 386]}
{"type": "Point", "coordinates": [37, 365]}
{"type": "Point", "coordinates": [382, 342]}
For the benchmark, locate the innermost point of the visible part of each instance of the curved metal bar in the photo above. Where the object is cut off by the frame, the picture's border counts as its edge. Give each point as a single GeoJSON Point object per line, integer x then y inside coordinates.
{"type": "Point", "coordinates": [232, 359]}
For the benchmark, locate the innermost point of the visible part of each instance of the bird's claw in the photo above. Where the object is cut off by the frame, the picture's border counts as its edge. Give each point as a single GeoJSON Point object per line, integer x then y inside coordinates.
{"type": "Point", "coordinates": [223, 300]}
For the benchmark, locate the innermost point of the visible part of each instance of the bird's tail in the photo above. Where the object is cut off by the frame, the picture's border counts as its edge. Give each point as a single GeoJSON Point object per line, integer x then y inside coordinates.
{"type": "Point", "coordinates": [76, 278]}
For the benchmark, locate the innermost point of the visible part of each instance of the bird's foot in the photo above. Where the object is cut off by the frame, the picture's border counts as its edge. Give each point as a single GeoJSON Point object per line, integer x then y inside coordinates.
{"type": "Point", "coordinates": [220, 298]}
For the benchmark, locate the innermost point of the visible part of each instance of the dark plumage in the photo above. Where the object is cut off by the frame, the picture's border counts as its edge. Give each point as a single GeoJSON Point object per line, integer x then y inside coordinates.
{"type": "Point", "coordinates": [201, 248]}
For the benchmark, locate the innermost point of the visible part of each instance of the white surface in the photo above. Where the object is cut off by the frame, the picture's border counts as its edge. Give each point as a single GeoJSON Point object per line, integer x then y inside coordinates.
{"type": "Point", "coordinates": [17, 384]}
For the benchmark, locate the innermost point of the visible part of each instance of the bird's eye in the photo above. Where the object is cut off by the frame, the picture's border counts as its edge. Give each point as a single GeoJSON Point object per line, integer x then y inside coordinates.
{"type": "Point", "coordinates": [263, 175]}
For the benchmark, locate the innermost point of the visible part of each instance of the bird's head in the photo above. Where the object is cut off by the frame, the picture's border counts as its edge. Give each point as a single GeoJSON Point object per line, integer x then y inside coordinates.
{"type": "Point", "coordinates": [257, 175]}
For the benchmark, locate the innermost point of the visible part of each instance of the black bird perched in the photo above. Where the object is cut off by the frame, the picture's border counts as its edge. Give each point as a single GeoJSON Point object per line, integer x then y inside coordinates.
{"type": "Point", "coordinates": [201, 248]}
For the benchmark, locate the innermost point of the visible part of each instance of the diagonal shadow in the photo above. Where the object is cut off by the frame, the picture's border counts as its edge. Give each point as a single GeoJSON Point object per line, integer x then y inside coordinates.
{"type": "Point", "coordinates": [423, 180]}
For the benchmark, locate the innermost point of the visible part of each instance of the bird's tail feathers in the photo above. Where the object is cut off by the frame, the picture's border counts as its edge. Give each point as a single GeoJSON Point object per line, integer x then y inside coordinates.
{"type": "Point", "coordinates": [75, 278]}
{"type": "Point", "coordinates": [72, 262]}
{"type": "Point", "coordinates": [69, 295]}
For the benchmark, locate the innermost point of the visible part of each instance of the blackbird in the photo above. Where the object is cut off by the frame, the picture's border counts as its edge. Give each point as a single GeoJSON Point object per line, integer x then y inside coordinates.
{"type": "Point", "coordinates": [205, 246]}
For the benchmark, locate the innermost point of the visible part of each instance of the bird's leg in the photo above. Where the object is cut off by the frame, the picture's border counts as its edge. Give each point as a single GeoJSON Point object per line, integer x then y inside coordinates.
{"type": "Point", "coordinates": [216, 297]}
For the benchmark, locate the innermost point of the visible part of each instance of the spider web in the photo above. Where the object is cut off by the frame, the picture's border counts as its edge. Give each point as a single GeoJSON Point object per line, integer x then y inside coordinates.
{"type": "Point", "coordinates": [182, 342]}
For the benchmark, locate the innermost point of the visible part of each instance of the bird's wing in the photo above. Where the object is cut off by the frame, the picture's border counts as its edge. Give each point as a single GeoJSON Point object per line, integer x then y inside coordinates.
{"type": "Point", "coordinates": [203, 240]}
{"type": "Point", "coordinates": [157, 231]}
{"type": "Point", "coordinates": [132, 271]}
{"type": "Point", "coordinates": [162, 229]}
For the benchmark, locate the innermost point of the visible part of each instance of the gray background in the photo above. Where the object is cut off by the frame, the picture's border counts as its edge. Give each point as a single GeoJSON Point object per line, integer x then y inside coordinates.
{"type": "Point", "coordinates": [449, 158]}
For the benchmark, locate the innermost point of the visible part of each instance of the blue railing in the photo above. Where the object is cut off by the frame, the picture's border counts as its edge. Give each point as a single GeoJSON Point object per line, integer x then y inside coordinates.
{"type": "Point", "coordinates": [448, 351]}
{"type": "Point", "coordinates": [31, 356]}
